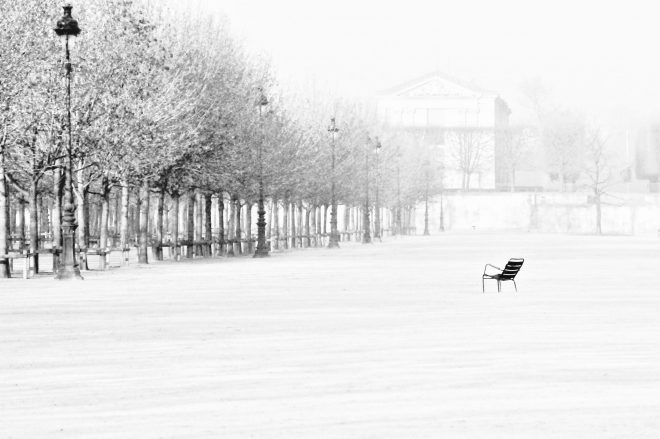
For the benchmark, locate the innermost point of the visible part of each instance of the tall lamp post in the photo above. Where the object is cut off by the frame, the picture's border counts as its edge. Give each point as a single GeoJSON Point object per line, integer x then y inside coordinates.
{"type": "Point", "coordinates": [262, 248]}
{"type": "Point", "coordinates": [67, 28]}
{"type": "Point", "coordinates": [366, 235]}
{"type": "Point", "coordinates": [334, 235]}
{"type": "Point", "coordinates": [377, 207]}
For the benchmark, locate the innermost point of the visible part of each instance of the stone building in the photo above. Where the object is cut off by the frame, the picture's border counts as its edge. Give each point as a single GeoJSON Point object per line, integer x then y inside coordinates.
{"type": "Point", "coordinates": [458, 120]}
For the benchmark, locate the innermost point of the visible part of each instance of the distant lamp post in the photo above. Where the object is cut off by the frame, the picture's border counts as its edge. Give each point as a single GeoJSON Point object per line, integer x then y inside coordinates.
{"type": "Point", "coordinates": [67, 28]}
{"type": "Point", "coordinates": [427, 165]}
{"type": "Point", "coordinates": [442, 213]}
{"type": "Point", "coordinates": [262, 248]}
{"type": "Point", "coordinates": [442, 192]}
{"type": "Point", "coordinates": [430, 164]}
{"type": "Point", "coordinates": [377, 206]}
{"type": "Point", "coordinates": [334, 235]}
{"type": "Point", "coordinates": [397, 220]}
{"type": "Point", "coordinates": [366, 235]}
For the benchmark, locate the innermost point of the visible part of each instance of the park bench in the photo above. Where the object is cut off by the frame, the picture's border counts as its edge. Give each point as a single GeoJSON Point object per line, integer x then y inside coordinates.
{"type": "Point", "coordinates": [509, 272]}
{"type": "Point", "coordinates": [107, 258]}
{"type": "Point", "coordinates": [10, 257]}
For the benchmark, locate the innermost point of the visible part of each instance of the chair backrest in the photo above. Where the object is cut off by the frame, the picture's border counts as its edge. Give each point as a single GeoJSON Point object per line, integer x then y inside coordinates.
{"type": "Point", "coordinates": [512, 268]}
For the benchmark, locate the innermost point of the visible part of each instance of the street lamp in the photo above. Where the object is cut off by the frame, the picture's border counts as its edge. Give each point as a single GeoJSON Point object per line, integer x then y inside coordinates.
{"type": "Point", "coordinates": [426, 196]}
{"type": "Point", "coordinates": [398, 226]}
{"type": "Point", "coordinates": [377, 207]}
{"type": "Point", "coordinates": [262, 248]}
{"type": "Point", "coordinates": [366, 236]}
{"type": "Point", "coordinates": [442, 212]}
{"type": "Point", "coordinates": [442, 191]}
{"type": "Point", "coordinates": [334, 236]}
{"type": "Point", "coordinates": [67, 28]}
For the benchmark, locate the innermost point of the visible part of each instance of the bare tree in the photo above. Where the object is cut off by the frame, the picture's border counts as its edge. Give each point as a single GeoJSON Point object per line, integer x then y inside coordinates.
{"type": "Point", "coordinates": [563, 138]}
{"type": "Point", "coordinates": [598, 169]}
{"type": "Point", "coordinates": [514, 144]}
{"type": "Point", "coordinates": [472, 150]}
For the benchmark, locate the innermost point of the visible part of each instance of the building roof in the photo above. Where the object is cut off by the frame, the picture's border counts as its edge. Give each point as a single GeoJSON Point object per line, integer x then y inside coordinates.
{"type": "Point", "coordinates": [435, 77]}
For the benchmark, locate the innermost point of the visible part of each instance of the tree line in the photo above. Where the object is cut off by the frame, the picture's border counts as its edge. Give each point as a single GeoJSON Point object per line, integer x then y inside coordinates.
{"type": "Point", "coordinates": [165, 109]}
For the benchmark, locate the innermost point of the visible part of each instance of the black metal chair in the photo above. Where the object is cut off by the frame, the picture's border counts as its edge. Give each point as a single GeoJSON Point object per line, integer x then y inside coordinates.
{"type": "Point", "coordinates": [510, 271]}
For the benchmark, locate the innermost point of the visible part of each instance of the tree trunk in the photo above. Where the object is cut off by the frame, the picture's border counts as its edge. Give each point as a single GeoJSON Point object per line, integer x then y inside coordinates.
{"type": "Point", "coordinates": [221, 225]}
{"type": "Point", "coordinates": [85, 209]}
{"type": "Point", "coordinates": [276, 225]}
{"type": "Point", "coordinates": [82, 212]}
{"type": "Point", "coordinates": [144, 223]}
{"type": "Point", "coordinates": [270, 221]}
{"type": "Point", "coordinates": [308, 227]}
{"type": "Point", "coordinates": [176, 198]}
{"type": "Point", "coordinates": [599, 229]}
{"type": "Point", "coordinates": [58, 191]}
{"type": "Point", "coordinates": [105, 215]}
{"type": "Point", "coordinates": [208, 226]}
{"type": "Point", "coordinates": [238, 249]}
{"type": "Point", "coordinates": [191, 225]}
{"type": "Point", "coordinates": [292, 206]}
{"type": "Point", "coordinates": [248, 227]}
{"type": "Point", "coordinates": [34, 225]}
{"type": "Point", "coordinates": [238, 235]}
{"type": "Point", "coordinates": [160, 213]}
{"type": "Point", "coordinates": [301, 232]}
{"type": "Point", "coordinates": [117, 216]}
{"type": "Point", "coordinates": [324, 228]}
{"type": "Point", "coordinates": [231, 227]}
{"type": "Point", "coordinates": [285, 222]}
{"type": "Point", "coordinates": [20, 223]}
{"type": "Point", "coordinates": [123, 231]}
{"type": "Point", "coordinates": [4, 216]}
{"type": "Point", "coordinates": [199, 223]}
{"type": "Point", "coordinates": [426, 210]}
{"type": "Point", "coordinates": [135, 217]}
{"type": "Point", "coordinates": [319, 226]}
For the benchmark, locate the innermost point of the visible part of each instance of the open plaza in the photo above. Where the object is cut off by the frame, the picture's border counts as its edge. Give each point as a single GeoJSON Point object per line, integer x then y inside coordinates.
{"type": "Point", "coordinates": [389, 340]}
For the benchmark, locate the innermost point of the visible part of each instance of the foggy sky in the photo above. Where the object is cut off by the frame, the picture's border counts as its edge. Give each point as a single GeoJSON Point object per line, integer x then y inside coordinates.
{"type": "Point", "coordinates": [596, 56]}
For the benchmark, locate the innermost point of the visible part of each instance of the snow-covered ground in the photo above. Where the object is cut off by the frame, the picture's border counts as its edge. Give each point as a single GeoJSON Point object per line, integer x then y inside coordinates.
{"type": "Point", "coordinates": [391, 340]}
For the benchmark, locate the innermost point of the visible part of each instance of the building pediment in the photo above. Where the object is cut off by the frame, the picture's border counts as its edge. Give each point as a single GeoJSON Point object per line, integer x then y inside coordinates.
{"type": "Point", "coordinates": [435, 85]}
{"type": "Point", "coordinates": [436, 88]}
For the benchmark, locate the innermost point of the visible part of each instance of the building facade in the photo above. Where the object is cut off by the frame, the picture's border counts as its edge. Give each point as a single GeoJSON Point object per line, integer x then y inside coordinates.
{"type": "Point", "coordinates": [457, 120]}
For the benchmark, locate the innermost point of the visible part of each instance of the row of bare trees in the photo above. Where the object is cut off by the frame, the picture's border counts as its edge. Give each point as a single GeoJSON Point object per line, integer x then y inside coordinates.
{"type": "Point", "coordinates": [162, 109]}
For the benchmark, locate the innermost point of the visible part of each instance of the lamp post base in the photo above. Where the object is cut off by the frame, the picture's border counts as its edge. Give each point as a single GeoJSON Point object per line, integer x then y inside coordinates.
{"type": "Point", "coordinates": [68, 269]}
{"type": "Point", "coordinates": [261, 253]}
{"type": "Point", "coordinates": [334, 242]}
{"type": "Point", "coordinates": [68, 274]}
{"type": "Point", "coordinates": [262, 249]}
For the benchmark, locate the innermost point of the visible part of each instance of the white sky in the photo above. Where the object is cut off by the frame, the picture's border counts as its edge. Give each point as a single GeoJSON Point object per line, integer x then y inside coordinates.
{"type": "Point", "coordinates": [598, 56]}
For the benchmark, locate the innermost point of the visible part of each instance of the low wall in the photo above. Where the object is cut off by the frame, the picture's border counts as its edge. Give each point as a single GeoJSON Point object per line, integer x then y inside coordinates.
{"type": "Point", "coordinates": [544, 212]}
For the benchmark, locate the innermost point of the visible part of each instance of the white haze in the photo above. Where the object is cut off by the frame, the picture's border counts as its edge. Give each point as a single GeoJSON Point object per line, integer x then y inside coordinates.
{"type": "Point", "coordinates": [597, 57]}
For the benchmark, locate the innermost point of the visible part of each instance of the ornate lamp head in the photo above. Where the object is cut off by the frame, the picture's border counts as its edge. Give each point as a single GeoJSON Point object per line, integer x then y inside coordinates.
{"type": "Point", "coordinates": [67, 25]}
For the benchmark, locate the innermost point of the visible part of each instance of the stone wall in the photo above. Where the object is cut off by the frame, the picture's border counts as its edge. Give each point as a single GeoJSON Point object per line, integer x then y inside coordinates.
{"type": "Point", "coordinates": [553, 212]}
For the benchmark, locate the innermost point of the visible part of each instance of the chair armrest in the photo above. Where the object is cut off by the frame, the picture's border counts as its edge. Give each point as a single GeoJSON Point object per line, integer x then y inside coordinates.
{"type": "Point", "coordinates": [491, 265]}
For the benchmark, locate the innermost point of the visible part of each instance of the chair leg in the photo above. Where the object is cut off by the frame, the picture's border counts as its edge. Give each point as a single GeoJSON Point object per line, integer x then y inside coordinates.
{"type": "Point", "coordinates": [499, 286]}
{"type": "Point", "coordinates": [514, 285]}
{"type": "Point", "coordinates": [483, 285]}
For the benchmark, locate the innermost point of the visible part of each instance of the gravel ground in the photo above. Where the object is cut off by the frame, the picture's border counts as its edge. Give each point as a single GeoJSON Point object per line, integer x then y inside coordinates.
{"type": "Point", "coordinates": [390, 340]}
